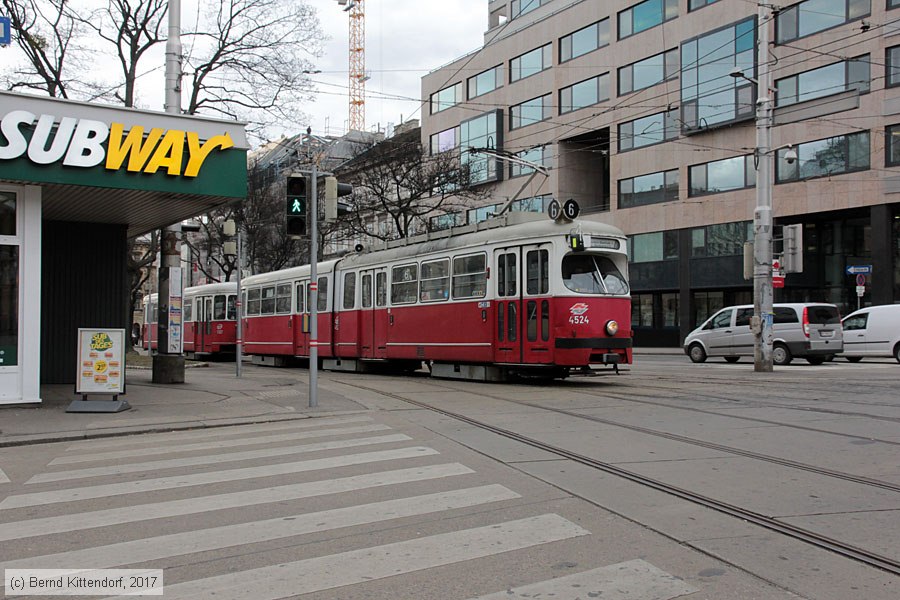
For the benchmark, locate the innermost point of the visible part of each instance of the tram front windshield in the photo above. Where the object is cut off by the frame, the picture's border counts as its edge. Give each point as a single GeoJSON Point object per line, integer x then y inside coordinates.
{"type": "Point", "coordinates": [592, 274]}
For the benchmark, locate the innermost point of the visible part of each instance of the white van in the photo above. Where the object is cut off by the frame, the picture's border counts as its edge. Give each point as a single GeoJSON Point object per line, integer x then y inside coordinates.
{"type": "Point", "coordinates": [805, 330]}
{"type": "Point", "coordinates": [873, 331]}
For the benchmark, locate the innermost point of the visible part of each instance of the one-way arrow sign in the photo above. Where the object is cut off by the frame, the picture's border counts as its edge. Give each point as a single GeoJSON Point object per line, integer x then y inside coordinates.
{"type": "Point", "coordinates": [859, 270]}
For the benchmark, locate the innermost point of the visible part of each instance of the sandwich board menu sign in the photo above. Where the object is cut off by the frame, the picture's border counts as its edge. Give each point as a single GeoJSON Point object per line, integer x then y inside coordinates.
{"type": "Point", "coordinates": [101, 361]}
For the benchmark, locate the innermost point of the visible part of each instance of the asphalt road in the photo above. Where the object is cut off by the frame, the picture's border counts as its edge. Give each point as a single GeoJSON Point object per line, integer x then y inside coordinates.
{"type": "Point", "coordinates": [400, 501]}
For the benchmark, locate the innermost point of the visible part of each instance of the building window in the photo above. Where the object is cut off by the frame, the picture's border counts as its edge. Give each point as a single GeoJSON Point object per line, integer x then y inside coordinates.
{"type": "Point", "coordinates": [722, 176]}
{"type": "Point", "coordinates": [486, 81]}
{"type": "Point", "coordinates": [892, 145]}
{"type": "Point", "coordinates": [648, 189]}
{"type": "Point", "coordinates": [709, 94]}
{"type": "Point", "coordinates": [831, 79]}
{"type": "Point", "coordinates": [695, 4]}
{"type": "Point", "coordinates": [538, 155]}
{"type": "Point", "coordinates": [444, 140]}
{"type": "Point", "coordinates": [642, 310]}
{"type": "Point", "coordinates": [530, 111]}
{"type": "Point", "coordinates": [646, 131]}
{"type": "Point", "coordinates": [537, 204]}
{"type": "Point", "coordinates": [480, 214]}
{"type": "Point", "coordinates": [446, 98]}
{"type": "Point", "coordinates": [653, 247]}
{"type": "Point", "coordinates": [646, 15]}
{"type": "Point", "coordinates": [726, 239]}
{"type": "Point", "coordinates": [481, 132]}
{"type": "Point", "coordinates": [446, 221]}
{"type": "Point", "coordinates": [893, 3]}
{"type": "Point", "coordinates": [584, 40]}
{"type": "Point", "coordinates": [522, 7]}
{"type": "Point", "coordinates": [822, 158]}
{"type": "Point", "coordinates": [584, 93]}
{"type": "Point", "coordinates": [648, 72]}
{"type": "Point", "coordinates": [530, 63]}
{"type": "Point", "coordinates": [812, 16]}
{"type": "Point", "coordinates": [893, 65]}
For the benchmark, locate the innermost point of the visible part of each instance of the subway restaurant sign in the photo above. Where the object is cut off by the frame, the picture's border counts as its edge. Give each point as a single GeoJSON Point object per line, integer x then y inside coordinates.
{"type": "Point", "coordinates": [44, 140]}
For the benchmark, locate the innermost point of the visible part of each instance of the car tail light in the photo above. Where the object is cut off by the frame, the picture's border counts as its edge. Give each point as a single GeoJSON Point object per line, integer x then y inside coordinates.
{"type": "Point", "coordinates": [805, 321]}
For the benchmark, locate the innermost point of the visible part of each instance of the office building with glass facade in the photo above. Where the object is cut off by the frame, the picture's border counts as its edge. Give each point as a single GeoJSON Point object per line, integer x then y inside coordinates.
{"type": "Point", "coordinates": [636, 111]}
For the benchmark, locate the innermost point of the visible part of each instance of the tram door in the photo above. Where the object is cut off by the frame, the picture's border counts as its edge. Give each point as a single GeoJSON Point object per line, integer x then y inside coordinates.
{"type": "Point", "coordinates": [204, 326]}
{"type": "Point", "coordinates": [373, 315]}
{"type": "Point", "coordinates": [522, 316]}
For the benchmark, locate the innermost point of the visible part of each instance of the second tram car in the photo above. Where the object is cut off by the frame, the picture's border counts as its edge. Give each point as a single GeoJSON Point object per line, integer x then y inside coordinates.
{"type": "Point", "coordinates": [209, 320]}
{"type": "Point", "coordinates": [485, 301]}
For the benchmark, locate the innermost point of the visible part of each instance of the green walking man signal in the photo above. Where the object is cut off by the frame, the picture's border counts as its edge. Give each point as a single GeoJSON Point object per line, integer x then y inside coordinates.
{"type": "Point", "coordinates": [296, 205]}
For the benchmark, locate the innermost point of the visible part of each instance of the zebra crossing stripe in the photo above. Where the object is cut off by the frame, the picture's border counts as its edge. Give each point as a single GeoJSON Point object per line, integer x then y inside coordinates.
{"type": "Point", "coordinates": [367, 564]}
{"type": "Point", "coordinates": [3, 477]}
{"type": "Point", "coordinates": [215, 432]}
{"type": "Point", "coordinates": [204, 504]}
{"type": "Point", "coordinates": [623, 581]}
{"type": "Point", "coordinates": [166, 449]}
{"type": "Point", "coordinates": [215, 459]}
{"type": "Point", "coordinates": [216, 538]}
{"type": "Point", "coordinates": [180, 481]}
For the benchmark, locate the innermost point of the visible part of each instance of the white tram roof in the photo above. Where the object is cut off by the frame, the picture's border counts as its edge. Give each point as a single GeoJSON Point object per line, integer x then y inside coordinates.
{"type": "Point", "coordinates": [508, 229]}
{"type": "Point", "coordinates": [287, 274]}
{"type": "Point", "coordinates": [224, 287]}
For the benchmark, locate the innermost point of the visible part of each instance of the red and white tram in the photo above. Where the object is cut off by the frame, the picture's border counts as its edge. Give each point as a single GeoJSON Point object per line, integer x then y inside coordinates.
{"type": "Point", "coordinates": [480, 302]}
{"type": "Point", "coordinates": [209, 318]}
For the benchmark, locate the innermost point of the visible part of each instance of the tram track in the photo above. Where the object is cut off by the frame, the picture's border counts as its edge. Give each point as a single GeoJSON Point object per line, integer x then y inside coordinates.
{"type": "Point", "coordinates": [835, 546]}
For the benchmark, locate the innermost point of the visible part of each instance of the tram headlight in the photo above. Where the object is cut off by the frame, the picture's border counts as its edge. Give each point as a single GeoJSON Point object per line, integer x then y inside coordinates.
{"type": "Point", "coordinates": [612, 328]}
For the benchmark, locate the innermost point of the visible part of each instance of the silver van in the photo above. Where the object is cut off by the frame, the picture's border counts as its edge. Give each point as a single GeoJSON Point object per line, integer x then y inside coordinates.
{"type": "Point", "coordinates": [872, 331]}
{"type": "Point", "coordinates": [806, 330]}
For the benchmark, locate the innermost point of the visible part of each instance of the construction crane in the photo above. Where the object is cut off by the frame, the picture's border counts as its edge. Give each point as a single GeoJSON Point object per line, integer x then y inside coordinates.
{"type": "Point", "coordinates": [358, 77]}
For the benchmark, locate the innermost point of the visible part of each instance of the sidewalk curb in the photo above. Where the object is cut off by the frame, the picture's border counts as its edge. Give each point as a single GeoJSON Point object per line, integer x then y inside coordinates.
{"type": "Point", "coordinates": [30, 440]}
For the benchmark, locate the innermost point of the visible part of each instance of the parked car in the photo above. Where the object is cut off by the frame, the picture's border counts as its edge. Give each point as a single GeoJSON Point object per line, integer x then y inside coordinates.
{"type": "Point", "coordinates": [804, 330]}
{"type": "Point", "coordinates": [873, 331]}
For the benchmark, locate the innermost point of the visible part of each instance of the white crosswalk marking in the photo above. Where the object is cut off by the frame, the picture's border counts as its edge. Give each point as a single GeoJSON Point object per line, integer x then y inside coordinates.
{"type": "Point", "coordinates": [211, 460]}
{"type": "Point", "coordinates": [3, 477]}
{"type": "Point", "coordinates": [166, 449]}
{"type": "Point", "coordinates": [367, 564]}
{"type": "Point", "coordinates": [154, 548]}
{"type": "Point", "coordinates": [179, 481]}
{"type": "Point", "coordinates": [623, 581]}
{"type": "Point", "coordinates": [203, 504]}
{"type": "Point", "coordinates": [216, 432]}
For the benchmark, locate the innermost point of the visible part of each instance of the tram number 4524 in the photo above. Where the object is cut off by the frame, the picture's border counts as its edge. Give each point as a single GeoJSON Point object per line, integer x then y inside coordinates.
{"type": "Point", "coordinates": [579, 320]}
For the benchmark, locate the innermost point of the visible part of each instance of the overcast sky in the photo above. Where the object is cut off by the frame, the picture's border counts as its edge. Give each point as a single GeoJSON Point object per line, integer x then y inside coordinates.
{"type": "Point", "coordinates": [405, 39]}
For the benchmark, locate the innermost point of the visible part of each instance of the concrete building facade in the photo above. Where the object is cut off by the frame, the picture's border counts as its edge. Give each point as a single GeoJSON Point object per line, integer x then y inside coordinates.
{"type": "Point", "coordinates": [634, 109]}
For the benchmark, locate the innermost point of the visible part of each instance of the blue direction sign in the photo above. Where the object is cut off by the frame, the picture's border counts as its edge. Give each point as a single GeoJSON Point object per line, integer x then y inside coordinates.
{"type": "Point", "coordinates": [5, 33]}
{"type": "Point", "coordinates": [859, 270]}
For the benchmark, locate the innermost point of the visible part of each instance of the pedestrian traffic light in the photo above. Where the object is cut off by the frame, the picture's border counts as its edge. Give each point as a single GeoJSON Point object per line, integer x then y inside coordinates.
{"type": "Point", "coordinates": [296, 205]}
{"type": "Point", "coordinates": [333, 191]}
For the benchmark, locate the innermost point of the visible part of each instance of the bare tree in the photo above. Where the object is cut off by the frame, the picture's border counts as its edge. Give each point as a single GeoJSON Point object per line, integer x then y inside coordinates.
{"type": "Point", "coordinates": [207, 246]}
{"type": "Point", "coordinates": [141, 255]}
{"type": "Point", "coordinates": [401, 181]}
{"type": "Point", "coordinates": [45, 31]}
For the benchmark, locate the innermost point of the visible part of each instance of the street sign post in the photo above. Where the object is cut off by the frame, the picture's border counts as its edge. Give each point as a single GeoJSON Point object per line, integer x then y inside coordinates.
{"type": "Point", "coordinates": [860, 280]}
{"type": "Point", "coordinates": [859, 270]}
{"type": "Point", "coordinates": [554, 210]}
{"type": "Point", "coordinates": [777, 274]}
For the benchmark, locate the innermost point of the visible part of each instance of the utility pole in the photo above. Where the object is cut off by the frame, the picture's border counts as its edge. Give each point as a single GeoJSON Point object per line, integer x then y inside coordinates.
{"type": "Point", "coordinates": [313, 206]}
{"type": "Point", "coordinates": [168, 362]}
{"type": "Point", "coordinates": [762, 215]}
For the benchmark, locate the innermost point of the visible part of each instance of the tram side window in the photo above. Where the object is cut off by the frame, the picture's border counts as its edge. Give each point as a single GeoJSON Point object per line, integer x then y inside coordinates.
{"type": "Point", "coordinates": [219, 308]}
{"type": "Point", "coordinates": [435, 280]}
{"type": "Point", "coordinates": [367, 291]}
{"type": "Point", "coordinates": [322, 305]}
{"type": "Point", "coordinates": [381, 289]}
{"type": "Point", "coordinates": [189, 311]}
{"type": "Point", "coordinates": [537, 272]}
{"type": "Point", "coordinates": [267, 306]}
{"type": "Point", "coordinates": [283, 299]}
{"type": "Point", "coordinates": [470, 276]}
{"type": "Point", "coordinates": [231, 309]}
{"type": "Point", "coordinates": [404, 284]}
{"type": "Point", "coordinates": [349, 291]}
{"type": "Point", "coordinates": [506, 275]}
{"type": "Point", "coordinates": [253, 302]}
{"type": "Point", "coordinates": [300, 298]}
{"type": "Point", "coordinates": [152, 312]}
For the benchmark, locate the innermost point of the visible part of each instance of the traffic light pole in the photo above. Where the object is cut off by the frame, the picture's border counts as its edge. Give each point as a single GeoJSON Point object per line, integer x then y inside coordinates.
{"type": "Point", "coordinates": [313, 207]}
